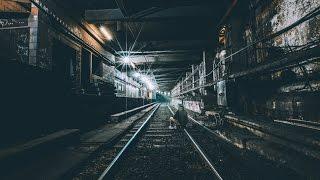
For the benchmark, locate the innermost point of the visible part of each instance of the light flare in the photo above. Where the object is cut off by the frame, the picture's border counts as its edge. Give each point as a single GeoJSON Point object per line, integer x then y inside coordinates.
{"type": "Point", "coordinates": [105, 33]}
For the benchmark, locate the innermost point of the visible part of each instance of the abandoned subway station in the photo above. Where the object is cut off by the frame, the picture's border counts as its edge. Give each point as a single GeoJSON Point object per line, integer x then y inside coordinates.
{"type": "Point", "coordinates": [159, 89]}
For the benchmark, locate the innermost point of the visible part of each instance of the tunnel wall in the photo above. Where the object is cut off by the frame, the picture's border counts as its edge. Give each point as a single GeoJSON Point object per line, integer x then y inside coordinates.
{"type": "Point", "coordinates": [39, 92]}
{"type": "Point", "coordinates": [287, 93]}
{"type": "Point", "coordinates": [249, 76]}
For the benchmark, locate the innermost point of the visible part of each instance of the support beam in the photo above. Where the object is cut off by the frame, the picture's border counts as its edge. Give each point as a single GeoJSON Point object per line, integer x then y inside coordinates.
{"type": "Point", "coordinates": [166, 74]}
{"type": "Point", "coordinates": [157, 52]}
{"type": "Point", "coordinates": [172, 78]}
{"type": "Point", "coordinates": [98, 19]}
{"type": "Point", "coordinates": [186, 13]}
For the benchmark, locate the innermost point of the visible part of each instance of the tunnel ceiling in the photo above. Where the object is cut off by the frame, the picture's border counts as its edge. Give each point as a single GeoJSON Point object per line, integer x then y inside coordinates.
{"type": "Point", "coordinates": [165, 36]}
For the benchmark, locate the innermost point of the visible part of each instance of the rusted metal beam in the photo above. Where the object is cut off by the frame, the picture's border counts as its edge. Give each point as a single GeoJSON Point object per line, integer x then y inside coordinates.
{"type": "Point", "coordinates": [289, 58]}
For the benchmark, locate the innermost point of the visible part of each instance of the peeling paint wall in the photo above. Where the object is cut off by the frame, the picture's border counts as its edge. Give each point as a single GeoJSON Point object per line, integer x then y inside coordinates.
{"type": "Point", "coordinates": [286, 93]}
{"type": "Point", "coordinates": [271, 16]}
{"type": "Point", "coordinates": [290, 11]}
{"type": "Point", "coordinates": [49, 31]}
{"type": "Point", "coordinates": [295, 98]}
{"type": "Point", "coordinates": [30, 39]}
{"type": "Point", "coordinates": [194, 106]}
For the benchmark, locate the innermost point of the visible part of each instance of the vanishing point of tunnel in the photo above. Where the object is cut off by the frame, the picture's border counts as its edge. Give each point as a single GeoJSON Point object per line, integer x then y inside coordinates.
{"type": "Point", "coordinates": [159, 89]}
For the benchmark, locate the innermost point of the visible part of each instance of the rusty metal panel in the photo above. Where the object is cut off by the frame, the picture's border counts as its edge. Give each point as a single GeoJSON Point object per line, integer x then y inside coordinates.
{"type": "Point", "coordinates": [222, 93]}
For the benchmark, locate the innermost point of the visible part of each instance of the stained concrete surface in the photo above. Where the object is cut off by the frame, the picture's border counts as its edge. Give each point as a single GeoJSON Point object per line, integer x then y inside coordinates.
{"type": "Point", "coordinates": [54, 165]}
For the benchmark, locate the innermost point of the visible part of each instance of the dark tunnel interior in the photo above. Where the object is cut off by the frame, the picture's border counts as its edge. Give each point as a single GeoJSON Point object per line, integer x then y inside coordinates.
{"type": "Point", "coordinates": [150, 89]}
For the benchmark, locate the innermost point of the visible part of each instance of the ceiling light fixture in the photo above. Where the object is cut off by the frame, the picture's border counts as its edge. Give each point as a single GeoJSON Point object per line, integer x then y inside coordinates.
{"type": "Point", "coordinates": [105, 33]}
{"type": "Point", "coordinates": [134, 66]}
{"type": "Point", "coordinates": [149, 83]}
{"type": "Point", "coordinates": [127, 61]}
{"type": "Point", "coordinates": [136, 75]}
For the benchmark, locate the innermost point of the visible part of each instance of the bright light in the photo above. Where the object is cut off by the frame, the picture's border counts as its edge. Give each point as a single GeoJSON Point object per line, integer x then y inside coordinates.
{"type": "Point", "coordinates": [105, 33]}
{"type": "Point", "coordinates": [134, 66]}
{"type": "Point", "coordinates": [149, 84]}
{"type": "Point", "coordinates": [136, 75]}
{"type": "Point", "coordinates": [126, 60]}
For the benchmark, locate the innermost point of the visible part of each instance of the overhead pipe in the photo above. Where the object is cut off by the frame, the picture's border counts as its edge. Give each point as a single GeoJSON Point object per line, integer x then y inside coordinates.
{"type": "Point", "coordinates": [146, 12]}
{"type": "Point", "coordinates": [233, 4]}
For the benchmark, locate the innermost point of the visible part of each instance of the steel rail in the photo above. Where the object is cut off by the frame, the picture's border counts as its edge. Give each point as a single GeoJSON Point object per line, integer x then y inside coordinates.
{"type": "Point", "coordinates": [198, 148]}
{"type": "Point", "coordinates": [115, 160]}
{"type": "Point", "coordinates": [195, 144]}
{"type": "Point", "coordinates": [214, 132]}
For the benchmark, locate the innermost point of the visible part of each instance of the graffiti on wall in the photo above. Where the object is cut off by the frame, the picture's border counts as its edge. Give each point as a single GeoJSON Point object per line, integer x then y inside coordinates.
{"type": "Point", "coordinates": [288, 12]}
{"type": "Point", "coordinates": [15, 44]}
{"type": "Point", "coordinates": [194, 106]}
{"type": "Point", "coordinates": [9, 23]}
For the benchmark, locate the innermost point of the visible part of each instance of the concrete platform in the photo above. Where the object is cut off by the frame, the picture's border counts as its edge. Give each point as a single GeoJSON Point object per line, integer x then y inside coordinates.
{"type": "Point", "coordinates": [60, 162]}
{"type": "Point", "coordinates": [122, 115]}
{"type": "Point", "coordinates": [288, 146]}
{"type": "Point", "coordinates": [304, 140]}
{"type": "Point", "coordinates": [50, 139]}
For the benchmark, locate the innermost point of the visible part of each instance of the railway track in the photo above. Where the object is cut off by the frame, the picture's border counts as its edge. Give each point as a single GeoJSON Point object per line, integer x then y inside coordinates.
{"type": "Point", "coordinates": [235, 163]}
{"type": "Point", "coordinates": [150, 150]}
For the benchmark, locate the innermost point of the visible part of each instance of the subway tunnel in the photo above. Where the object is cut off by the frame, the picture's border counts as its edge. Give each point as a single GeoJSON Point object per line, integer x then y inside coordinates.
{"type": "Point", "coordinates": [150, 89]}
